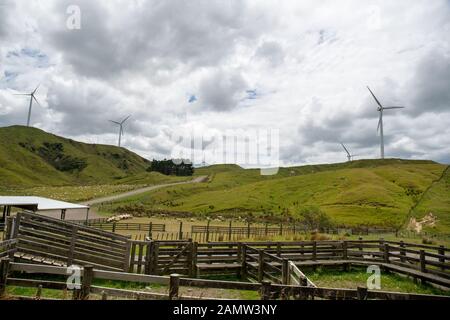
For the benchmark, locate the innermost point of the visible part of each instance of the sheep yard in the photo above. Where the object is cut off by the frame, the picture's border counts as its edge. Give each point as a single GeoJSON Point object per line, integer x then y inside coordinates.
{"type": "Point", "coordinates": [45, 246]}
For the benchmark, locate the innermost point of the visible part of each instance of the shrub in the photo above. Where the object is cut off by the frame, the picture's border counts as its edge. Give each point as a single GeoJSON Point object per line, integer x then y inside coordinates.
{"type": "Point", "coordinates": [314, 218]}
{"type": "Point", "coordinates": [427, 241]}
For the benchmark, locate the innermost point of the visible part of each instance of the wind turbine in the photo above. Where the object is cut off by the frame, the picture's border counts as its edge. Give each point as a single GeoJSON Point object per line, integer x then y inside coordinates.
{"type": "Point", "coordinates": [349, 156]}
{"type": "Point", "coordinates": [380, 121]}
{"type": "Point", "coordinates": [32, 97]}
{"type": "Point", "coordinates": [121, 126]}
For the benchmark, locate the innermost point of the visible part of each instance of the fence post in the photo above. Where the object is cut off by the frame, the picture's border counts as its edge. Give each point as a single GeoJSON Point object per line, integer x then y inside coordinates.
{"type": "Point", "coordinates": [150, 227]}
{"type": "Point", "coordinates": [278, 249]}
{"type": "Point", "coordinates": [314, 253]}
{"type": "Point", "coordinates": [229, 231]}
{"type": "Point", "coordinates": [88, 276]}
{"type": "Point", "coordinates": [260, 265]}
{"type": "Point", "coordinates": [381, 246]}
{"type": "Point", "coordinates": [148, 257]}
{"type": "Point", "coordinates": [8, 226]}
{"type": "Point", "coordinates": [194, 260]}
{"type": "Point", "coordinates": [265, 290]}
{"type": "Point", "coordinates": [244, 261]}
{"type": "Point", "coordinates": [386, 253]}
{"type": "Point", "coordinates": [181, 231]}
{"type": "Point", "coordinates": [285, 271]}
{"type": "Point", "coordinates": [127, 262]}
{"type": "Point", "coordinates": [361, 293]}
{"type": "Point", "coordinates": [38, 292]}
{"type": "Point", "coordinates": [73, 241]}
{"type": "Point", "coordinates": [441, 251]}
{"type": "Point", "coordinates": [154, 266]}
{"type": "Point", "coordinates": [402, 251]}
{"type": "Point", "coordinates": [281, 228]}
{"type": "Point", "coordinates": [174, 285]}
{"type": "Point", "coordinates": [360, 245]}
{"type": "Point", "coordinates": [266, 228]}
{"type": "Point", "coordinates": [423, 267]}
{"type": "Point", "coordinates": [248, 229]}
{"type": "Point", "coordinates": [344, 250]}
{"type": "Point", "coordinates": [4, 269]}
{"type": "Point", "coordinates": [114, 227]}
{"type": "Point", "coordinates": [207, 230]}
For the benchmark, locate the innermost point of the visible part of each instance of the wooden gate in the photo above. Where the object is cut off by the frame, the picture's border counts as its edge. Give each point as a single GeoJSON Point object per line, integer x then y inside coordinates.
{"type": "Point", "coordinates": [162, 257]}
{"type": "Point", "coordinates": [51, 241]}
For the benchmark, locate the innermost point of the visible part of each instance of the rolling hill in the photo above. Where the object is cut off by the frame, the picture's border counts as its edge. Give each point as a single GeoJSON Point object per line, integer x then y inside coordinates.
{"type": "Point", "coordinates": [32, 157]}
{"type": "Point", "coordinates": [363, 192]}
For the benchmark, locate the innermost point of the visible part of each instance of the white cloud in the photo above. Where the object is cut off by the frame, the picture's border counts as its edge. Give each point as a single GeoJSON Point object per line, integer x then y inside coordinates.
{"type": "Point", "coordinates": [301, 67]}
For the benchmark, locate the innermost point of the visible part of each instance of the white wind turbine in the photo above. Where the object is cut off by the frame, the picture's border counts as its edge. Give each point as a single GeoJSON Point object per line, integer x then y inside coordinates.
{"type": "Point", "coordinates": [32, 97]}
{"type": "Point", "coordinates": [349, 156]}
{"type": "Point", "coordinates": [121, 127]}
{"type": "Point", "coordinates": [380, 121]}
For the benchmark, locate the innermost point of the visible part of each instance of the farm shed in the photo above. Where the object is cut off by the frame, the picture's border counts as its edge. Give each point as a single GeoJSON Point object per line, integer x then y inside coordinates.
{"type": "Point", "coordinates": [38, 205]}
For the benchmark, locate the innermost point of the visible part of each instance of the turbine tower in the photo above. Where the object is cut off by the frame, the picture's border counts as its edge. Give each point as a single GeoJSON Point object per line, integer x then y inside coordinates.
{"type": "Point", "coordinates": [32, 97]}
{"type": "Point", "coordinates": [349, 156]}
{"type": "Point", "coordinates": [120, 123]}
{"type": "Point", "coordinates": [380, 121]}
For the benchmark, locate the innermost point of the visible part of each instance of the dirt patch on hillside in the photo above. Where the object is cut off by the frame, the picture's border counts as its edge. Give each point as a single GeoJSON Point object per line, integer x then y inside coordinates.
{"type": "Point", "coordinates": [417, 225]}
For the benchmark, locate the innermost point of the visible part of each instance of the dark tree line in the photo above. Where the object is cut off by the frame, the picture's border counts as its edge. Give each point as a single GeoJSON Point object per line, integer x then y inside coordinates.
{"type": "Point", "coordinates": [53, 154]}
{"type": "Point", "coordinates": [171, 167]}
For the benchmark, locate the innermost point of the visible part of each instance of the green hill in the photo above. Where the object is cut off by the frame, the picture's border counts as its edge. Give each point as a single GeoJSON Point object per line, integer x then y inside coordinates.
{"type": "Point", "coordinates": [363, 192]}
{"type": "Point", "coordinates": [31, 157]}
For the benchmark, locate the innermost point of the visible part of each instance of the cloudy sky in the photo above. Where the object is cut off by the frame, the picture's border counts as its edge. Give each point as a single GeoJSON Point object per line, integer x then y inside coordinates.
{"type": "Point", "coordinates": [210, 66]}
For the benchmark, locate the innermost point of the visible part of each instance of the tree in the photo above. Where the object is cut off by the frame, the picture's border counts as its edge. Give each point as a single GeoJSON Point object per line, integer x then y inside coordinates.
{"type": "Point", "coordinates": [170, 167]}
{"type": "Point", "coordinates": [314, 218]}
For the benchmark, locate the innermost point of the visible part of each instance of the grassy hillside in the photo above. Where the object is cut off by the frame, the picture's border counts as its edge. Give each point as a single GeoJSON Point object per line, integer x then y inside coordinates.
{"type": "Point", "coordinates": [437, 201]}
{"type": "Point", "coordinates": [31, 157]}
{"type": "Point", "coordinates": [364, 192]}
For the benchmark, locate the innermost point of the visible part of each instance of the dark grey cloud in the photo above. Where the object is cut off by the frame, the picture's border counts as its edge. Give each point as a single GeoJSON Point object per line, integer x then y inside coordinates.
{"type": "Point", "coordinates": [430, 87]}
{"type": "Point", "coordinates": [157, 36]}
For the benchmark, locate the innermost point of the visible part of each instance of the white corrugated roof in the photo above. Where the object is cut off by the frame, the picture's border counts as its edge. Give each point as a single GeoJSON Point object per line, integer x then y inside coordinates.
{"type": "Point", "coordinates": [39, 202]}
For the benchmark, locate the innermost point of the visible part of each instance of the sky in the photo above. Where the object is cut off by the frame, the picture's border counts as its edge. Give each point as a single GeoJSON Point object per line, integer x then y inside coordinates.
{"type": "Point", "coordinates": [208, 66]}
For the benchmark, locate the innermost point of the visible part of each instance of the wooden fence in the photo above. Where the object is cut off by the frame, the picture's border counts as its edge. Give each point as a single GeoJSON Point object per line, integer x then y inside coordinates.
{"type": "Point", "coordinates": [7, 248]}
{"type": "Point", "coordinates": [46, 240]}
{"type": "Point", "coordinates": [173, 283]}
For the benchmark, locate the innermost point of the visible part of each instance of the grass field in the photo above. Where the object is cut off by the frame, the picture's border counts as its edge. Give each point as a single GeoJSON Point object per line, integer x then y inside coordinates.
{"type": "Point", "coordinates": [367, 192]}
{"type": "Point", "coordinates": [358, 277]}
{"type": "Point", "coordinates": [88, 192]}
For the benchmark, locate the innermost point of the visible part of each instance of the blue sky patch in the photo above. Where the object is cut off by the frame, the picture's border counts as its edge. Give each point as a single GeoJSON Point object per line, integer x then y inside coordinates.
{"type": "Point", "coordinates": [252, 94]}
{"type": "Point", "coordinates": [192, 99]}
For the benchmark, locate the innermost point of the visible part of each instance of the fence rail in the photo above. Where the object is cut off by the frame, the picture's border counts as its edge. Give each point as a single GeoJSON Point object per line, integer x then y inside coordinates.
{"type": "Point", "coordinates": [265, 289]}
{"type": "Point", "coordinates": [45, 240]}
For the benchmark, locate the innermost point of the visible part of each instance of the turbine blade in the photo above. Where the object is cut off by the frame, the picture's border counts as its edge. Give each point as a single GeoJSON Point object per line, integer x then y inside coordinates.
{"type": "Point", "coordinates": [345, 148]}
{"type": "Point", "coordinates": [36, 88]}
{"type": "Point", "coordinates": [379, 123]}
{"type": "Point", "coordinates": [21, 94]}
{"type": "Point", "coordinates": [115, 122]}
{"type": "Point", "coordinates": [123, 121]}
{"type": "Point", "coordinates": [393, 107]}
{"type": "Point", "coordinates": [378, 102]}
{"type": "Point", "coordinates": [33, 97]}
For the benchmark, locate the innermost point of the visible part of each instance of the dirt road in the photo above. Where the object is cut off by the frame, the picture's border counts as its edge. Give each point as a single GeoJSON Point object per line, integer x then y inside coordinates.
{"type": "Point", "coordinates": [141, 190]}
